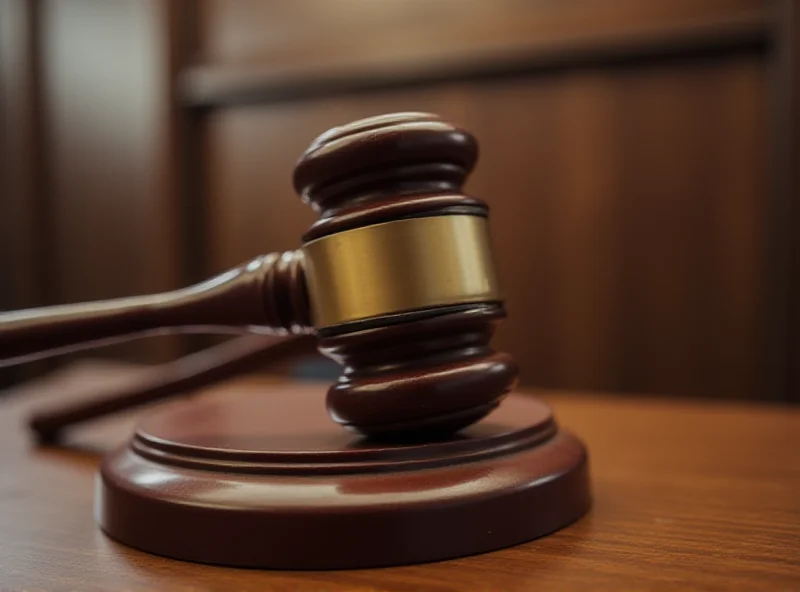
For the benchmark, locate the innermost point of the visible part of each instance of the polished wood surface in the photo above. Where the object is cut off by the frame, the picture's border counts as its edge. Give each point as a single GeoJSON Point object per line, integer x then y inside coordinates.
{"type": "Point", "coordinates": [688, 495]}
{"type": "Point", "coordinates": [243, 480]}
{"type": "Point", "coordinates": [266, 294]}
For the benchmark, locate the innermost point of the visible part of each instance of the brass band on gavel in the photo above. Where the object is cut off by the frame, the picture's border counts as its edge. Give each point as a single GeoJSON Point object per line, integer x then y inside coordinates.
{"type": "Point", "coordinates": [399, 266]}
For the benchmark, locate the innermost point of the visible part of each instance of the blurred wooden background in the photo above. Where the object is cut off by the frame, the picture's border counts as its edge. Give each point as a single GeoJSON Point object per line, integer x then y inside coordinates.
{"type": "Point", "coordinates": [640, 159]}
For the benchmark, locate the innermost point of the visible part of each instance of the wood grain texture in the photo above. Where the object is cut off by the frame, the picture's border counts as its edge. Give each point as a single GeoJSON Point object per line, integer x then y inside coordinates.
{"type": "Point", "coordinates": [688, 495]}
{"type": "Point", "coordinates": [627, 214]}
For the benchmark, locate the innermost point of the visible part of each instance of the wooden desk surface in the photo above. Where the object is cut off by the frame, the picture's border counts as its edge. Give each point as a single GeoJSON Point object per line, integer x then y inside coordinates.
{"type": "Point", "coordinates": [688, 495]}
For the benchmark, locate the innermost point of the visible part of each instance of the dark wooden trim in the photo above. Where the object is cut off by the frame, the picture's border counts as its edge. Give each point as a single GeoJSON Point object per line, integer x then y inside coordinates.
{"type": "Point", "coordinates": [209, 86]}
{"type": "Point", "coordinates": [44, 227]}
{"type": "Point", "coordinates": [182, 16]}
{"type": "Point", "coordinates": [24, 213]}
{"type": "Point", "coordinates": [179, 20]}
{"type": "Point", "coordinates": [190, 161]}
{"type": "Point", "coordinates": [25, 220]}
{"type": "Point", "coordinates": [794, 347]}
{"type": "Point", "coordinates": [784, 306]}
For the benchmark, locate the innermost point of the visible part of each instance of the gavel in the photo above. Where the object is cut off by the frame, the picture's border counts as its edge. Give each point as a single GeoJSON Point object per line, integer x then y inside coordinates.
{"type": "Point", "coordinates": [395, 282]}
{"type": "Point", "coordinates": [395, 279]}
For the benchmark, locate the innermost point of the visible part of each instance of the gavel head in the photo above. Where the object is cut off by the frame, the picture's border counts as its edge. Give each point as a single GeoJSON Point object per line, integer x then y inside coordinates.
{"type": "Point", "coordinates": [400, 280]}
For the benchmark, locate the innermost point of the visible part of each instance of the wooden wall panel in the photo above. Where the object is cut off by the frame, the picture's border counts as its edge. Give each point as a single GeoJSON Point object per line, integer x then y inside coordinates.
{"type": "Point", "coordinates": [254, 52]}
{"type": "Point", "coordinates": [21, 179]}
{"type": "Point", "coordinates": [628, 214]}
{"type": "Point", "coordinates": [116, 228]}
{"type": "Point", "coordinates": [785, 161]}
{"type": "Point", "coordinates": [624, 154]}
{"type": "Point", "coordinates": [24, 216]}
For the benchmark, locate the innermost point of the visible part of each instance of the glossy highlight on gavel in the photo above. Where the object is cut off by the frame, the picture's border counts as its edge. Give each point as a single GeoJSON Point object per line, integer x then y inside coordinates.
{"type": "Point", "coordinates": [395, 279]}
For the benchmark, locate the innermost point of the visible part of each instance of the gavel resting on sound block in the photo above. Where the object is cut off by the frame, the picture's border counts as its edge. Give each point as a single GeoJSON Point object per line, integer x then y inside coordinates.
{"type": "Point", "coordinates": [395, 282]}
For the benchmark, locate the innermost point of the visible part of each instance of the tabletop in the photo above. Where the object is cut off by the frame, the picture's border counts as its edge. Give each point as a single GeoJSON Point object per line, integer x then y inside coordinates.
{"type": "Point", "coordinates": [687, 495]}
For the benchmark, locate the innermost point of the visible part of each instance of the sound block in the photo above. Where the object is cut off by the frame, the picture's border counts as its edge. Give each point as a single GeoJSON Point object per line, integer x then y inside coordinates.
{"type": "Point", "coordinates": [266, 479]}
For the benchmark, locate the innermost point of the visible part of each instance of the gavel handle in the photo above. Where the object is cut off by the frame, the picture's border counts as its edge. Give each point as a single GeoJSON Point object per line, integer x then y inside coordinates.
{"type": "Point", "coordinates": [266, 294]}
{"type": "Point", "coordinates": [175, 378]}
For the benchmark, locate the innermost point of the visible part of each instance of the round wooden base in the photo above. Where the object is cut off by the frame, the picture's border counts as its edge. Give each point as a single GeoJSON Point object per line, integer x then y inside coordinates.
{"type": "Point", "coordinates": [248, 479]}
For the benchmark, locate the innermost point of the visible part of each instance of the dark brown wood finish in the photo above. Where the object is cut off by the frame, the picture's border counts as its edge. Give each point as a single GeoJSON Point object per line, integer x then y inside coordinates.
{"type": "Point", "coordinates": [687, 495]}
{"type": "Point", "coordinates": [421, 473]}
{"type": "Point", "coordinates": [362, 174]}
{"type": "Point", "coordinates": [25, 224]}
{"type": "Point", "coordinates": [247, 480]}
{"type": "Point", "coordinates": [423, 45]}
{"type": "Point", "coordinates": [794, 155]}
{"type": "Point", "coordinates": [430, 480]}
{"type": "Point", "coordinates": [444, 361]}
{"type": "Point", "coordinates": [266, 293]}
{"type": "Point", "coordinates": [377, 170]}
{"type": "Point", "coordinates": [785, 320]}
{"type": "Point", "coordinates": [429, 43]}
{"type": "Point", "coordinates": [232, 33]}
{"type": "Point", "coordinates": [23, 170]}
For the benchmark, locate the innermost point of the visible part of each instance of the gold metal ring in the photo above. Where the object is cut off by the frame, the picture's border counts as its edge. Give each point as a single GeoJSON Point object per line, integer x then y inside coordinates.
{"type": "Point", "coordinates": [399, 266]}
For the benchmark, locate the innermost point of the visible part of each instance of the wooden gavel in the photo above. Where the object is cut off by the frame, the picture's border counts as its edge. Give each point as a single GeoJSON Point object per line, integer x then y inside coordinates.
{"type": "Point", "coordinates": [395, 279]}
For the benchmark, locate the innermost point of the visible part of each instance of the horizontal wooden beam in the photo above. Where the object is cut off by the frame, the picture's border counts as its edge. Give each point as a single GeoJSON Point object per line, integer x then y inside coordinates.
{"type": "Point", "coordinates": [219, 86]}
